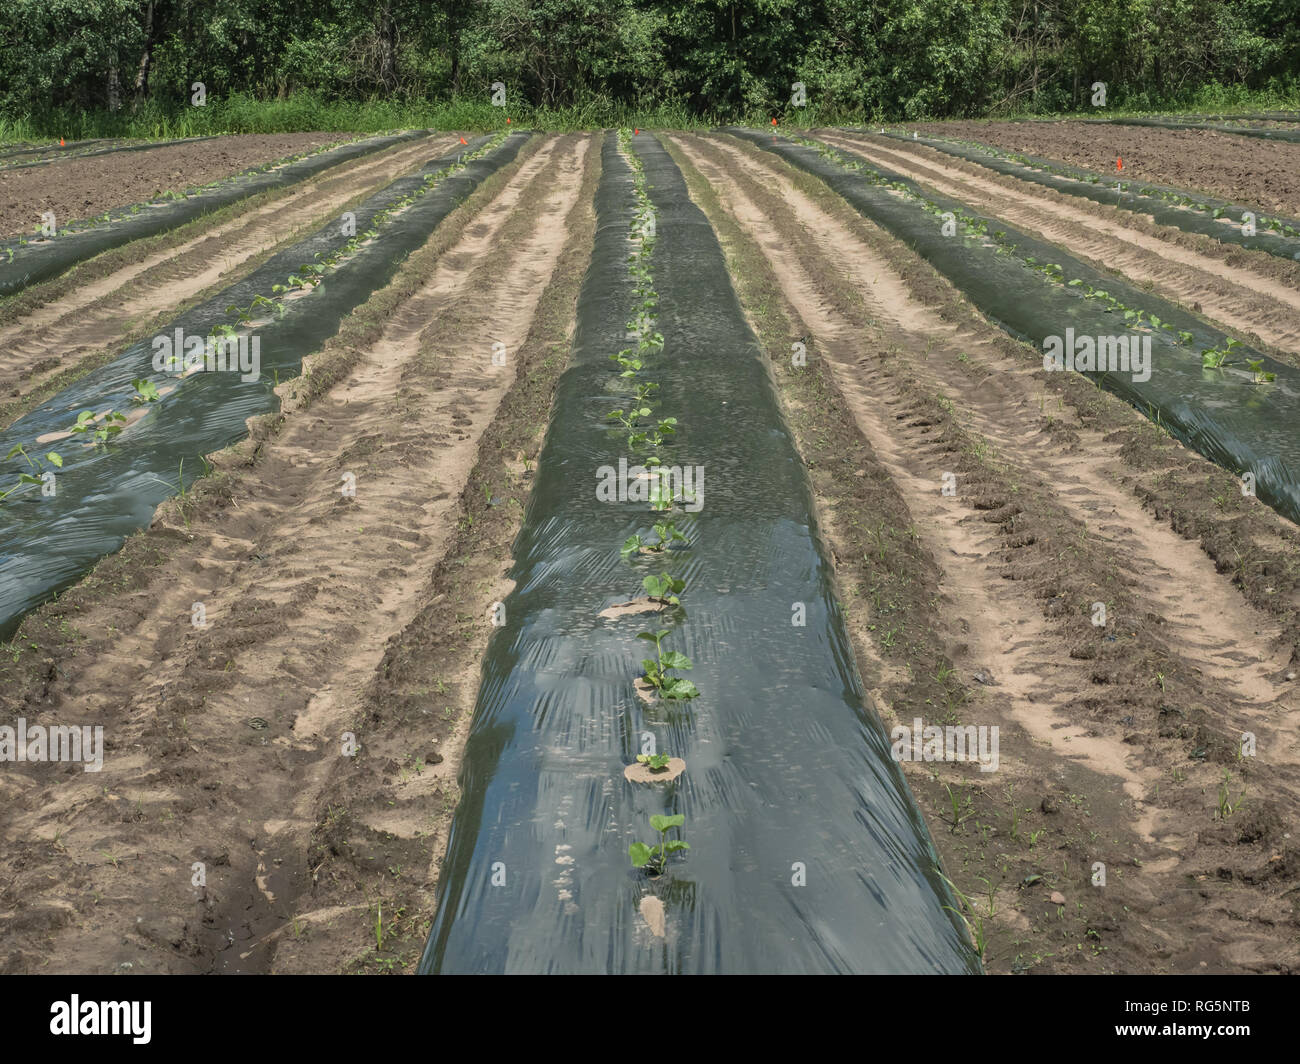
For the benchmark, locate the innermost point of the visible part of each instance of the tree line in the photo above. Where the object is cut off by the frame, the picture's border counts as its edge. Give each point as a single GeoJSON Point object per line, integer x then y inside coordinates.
{"type": "Point", "coordinates": [706, 58]}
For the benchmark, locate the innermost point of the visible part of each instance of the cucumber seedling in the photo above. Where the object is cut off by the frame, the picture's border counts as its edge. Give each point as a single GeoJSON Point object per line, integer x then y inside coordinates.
{"type": "Point", "coordinates": [36, 463]}
{"type": "Point", "coordinates": [655, 858]}
{"type": "Point", "coordinates": [145, 391]}
{"type": "Point", "coordinates": [104, 430]}
{"type": "Point", "coordinates": [658, 667]}
{"type": "Point", "coordinates": [630, 365]}
{"type": "Point", "coordinates": [643, 393]}
{"type": "Point", "coordinates": [1259, 373]}
{"type": "Point", "coordinates": [628, 418]}
{"type": "Point", "coordinates": [1217, 357]}
{"type": "Point", "coordinates": [654, 762]}
{"type": "Point", "coordinates": [666, 532]}
{"type": "Point", "coordinates": [664, 588]}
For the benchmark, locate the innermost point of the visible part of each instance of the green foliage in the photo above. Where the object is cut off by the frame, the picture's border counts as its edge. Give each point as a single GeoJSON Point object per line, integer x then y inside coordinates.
{"type": "Point", "coordinates": [656, 857]}
{"type": "Point", "coordinates": [664, 662]}
{"type": "Point", "coordinates": [102, 428]}
{"type": "Point", "coordinates": [35, 463]}
{"type": "Point", "coordinates": [88, 68]}
{"type": "Point", "coordinates": [145, 391]}
{"type": "Point", "coordinates": [666, 533]}
{"type": "Point", "coordinates": [664, 587]}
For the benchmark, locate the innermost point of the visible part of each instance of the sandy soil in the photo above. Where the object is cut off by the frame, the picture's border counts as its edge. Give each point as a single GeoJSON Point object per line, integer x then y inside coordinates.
{"type": "Point", "coordinates": [88, 325]}
{"type": "Point", "coordinates": [225, 743]}
{"type": "Point", "coordinates": [282, 780]}
{"type": "Point", "coordinates": [1243, 298]}
{"type": "Point", "coordinates": [976, 609]}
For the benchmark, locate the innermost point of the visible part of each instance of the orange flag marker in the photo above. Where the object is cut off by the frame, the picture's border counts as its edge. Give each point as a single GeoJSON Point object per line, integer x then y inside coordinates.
{"type": "Point", "coordinates": [774, 121]}
{"type": "Point", "coordinates": [1119, 164]}
{"type": "Point", "coordinates": [463, 140]}
{"type": "Point", "coordinates": [60, 142]}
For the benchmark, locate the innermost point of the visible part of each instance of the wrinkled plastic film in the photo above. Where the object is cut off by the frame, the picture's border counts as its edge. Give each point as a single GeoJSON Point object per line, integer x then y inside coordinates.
{"type": "Point", "coordinates": [39, 261]}
{"type": "Point", "coordinates": [788, 768]}
{"type": "Point", "coordinates": [1219, 413]}
{"type": "Point", "coordinates": [104, 495]}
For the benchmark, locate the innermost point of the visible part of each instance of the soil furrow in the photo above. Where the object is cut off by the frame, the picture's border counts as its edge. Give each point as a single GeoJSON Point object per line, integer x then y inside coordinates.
{"type": "Point", "coordinates": [99, 318]}
{"type": "Point", "coordinates": [1252, 305]}
{"type": "Point", "coordinates": [1006, 408]}
{"type": "Point", "coordinates": [1258, 172]}
{"type": "Point", "coordinates": [1027, 490]}
{"type": "Point", "coordinates": [83, 187]}
{"type": "Point", "coordinates": [302, 586]}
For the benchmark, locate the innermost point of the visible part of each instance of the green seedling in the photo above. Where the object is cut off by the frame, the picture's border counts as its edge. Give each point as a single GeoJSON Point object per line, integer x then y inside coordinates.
{"type": "Point", "coordinates": [958, 817]}
{"type": "Point", "coordinates": [643, 393]}
{"type": "Point", "coordinates": [628, 418]}
{"type": "Point", "coordinates": [657, 669]}
{"type": "Point", "coordinates": [666, 532]}
{"type": "Point", "coordinates": [654, 439]}
{"type": "Point", "coordinates": [104, 430]}
{"type": "Point", "coordinates": [654, 762]}
{"type": "Point", "coordinates": [656, 857]}
{"type": "Point", "coordinates": [1259, 373]}
{"type": "Point", "coordinates": [145, 391]}
{"type": "Point", "coordinates": [1217, 358]}
{"type": "Point", "coordinates": [1226, 806]}
{"type": "Point", "coordinates": [630, 365]}
{"type": "Point", "coordinates": [35, 463]}
{"type": "Point", "coordinates": [664, 588]}
{"type": "Point", "coordinates": [661, 496]}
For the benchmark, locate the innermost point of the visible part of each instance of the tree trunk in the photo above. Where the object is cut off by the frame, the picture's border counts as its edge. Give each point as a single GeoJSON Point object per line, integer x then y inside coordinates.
{"type": "Point", "coordinates": [142, 72]}
{"type": "Point", "coordinates": [386, 47]}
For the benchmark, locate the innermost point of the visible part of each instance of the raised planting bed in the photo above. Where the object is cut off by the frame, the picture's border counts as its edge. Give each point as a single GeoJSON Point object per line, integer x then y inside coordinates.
{"type": "Point", "coordinates": [1192, 212]}
{"type": "Point", "coordinates": [790, 815]}
{"type": "Point", "coordinates": [25, 261]}
{"type": "Point", "coordinates": [1221, 398]}
{"type": "Point", "coordinates": [107, 482]}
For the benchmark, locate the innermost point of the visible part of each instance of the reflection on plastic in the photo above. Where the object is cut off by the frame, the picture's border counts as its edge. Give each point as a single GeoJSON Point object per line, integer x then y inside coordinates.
{"type": "Point", "coordinates": [807, 854]}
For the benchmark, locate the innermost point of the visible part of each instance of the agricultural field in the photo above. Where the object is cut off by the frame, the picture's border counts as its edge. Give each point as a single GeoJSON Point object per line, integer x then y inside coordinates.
{"type": "Point", "coordinates": [861, 548]}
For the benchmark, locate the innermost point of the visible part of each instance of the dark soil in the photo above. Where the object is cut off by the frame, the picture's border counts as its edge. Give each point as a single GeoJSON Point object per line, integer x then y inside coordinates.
{"type": "Point", "coordinates": [76, 189]}
{"type": "Point", "coordinates": [1247, 170]}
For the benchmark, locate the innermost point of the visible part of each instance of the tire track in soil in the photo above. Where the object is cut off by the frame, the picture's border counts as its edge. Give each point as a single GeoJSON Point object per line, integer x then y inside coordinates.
{"type": "Point", "coordinates": [303, 587]}
{"type": "Point", "coordinates": [1004, 628]}
{"type": "Point", "coordinates": [1204, 622]}
{"type": "Point", "coordinates": [101, 316]}
{"type": "Point", "coordinates": [998, 409]}
{"type": "Point", "coordinates": [1240, 299]}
